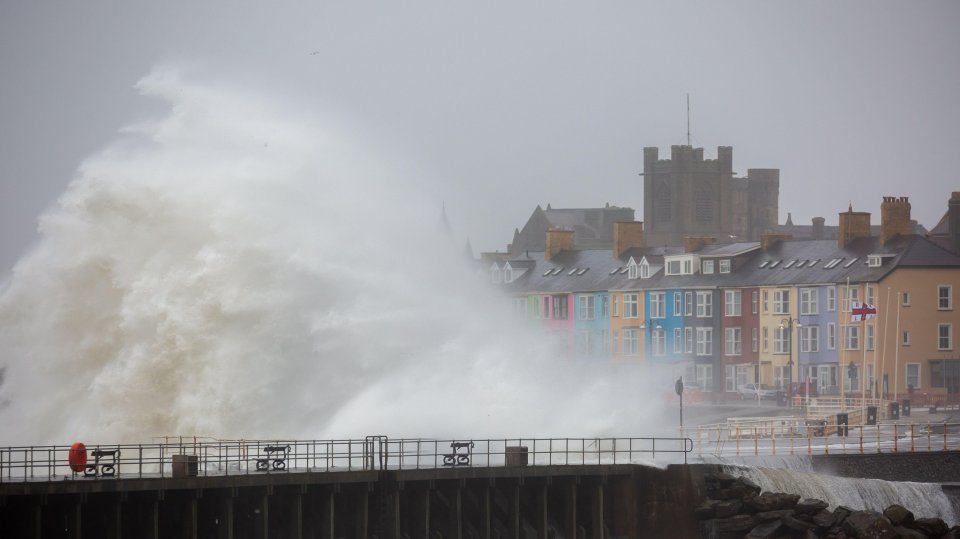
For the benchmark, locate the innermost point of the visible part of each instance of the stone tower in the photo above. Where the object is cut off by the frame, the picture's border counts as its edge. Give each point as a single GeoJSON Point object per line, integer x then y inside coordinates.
{"type": "Point", "coordinates": [688, 195]}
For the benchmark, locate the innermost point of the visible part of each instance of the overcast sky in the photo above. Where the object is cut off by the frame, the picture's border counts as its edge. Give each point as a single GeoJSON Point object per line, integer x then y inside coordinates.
{"type": "Point", "coordinates": [495, 107]}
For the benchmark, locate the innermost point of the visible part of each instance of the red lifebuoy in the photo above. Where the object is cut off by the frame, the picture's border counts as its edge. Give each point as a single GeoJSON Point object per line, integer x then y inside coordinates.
{"type": "Point", "coordinates": [77, 457]}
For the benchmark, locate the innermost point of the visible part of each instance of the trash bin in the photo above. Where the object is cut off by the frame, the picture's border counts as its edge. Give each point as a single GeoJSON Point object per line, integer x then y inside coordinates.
{"type": "Point", "coordinates": [781, 398]}
{"type": "Point", "coordinates": [906, 408]}
{"type": "Point", "coordinates": [894, 410]}
{"type": "Point", "coordinates": [843, 424]}
{"type": "Point", "coordinates": [871, 415]}
{"type": "Point", "coordinates": [516, 455]}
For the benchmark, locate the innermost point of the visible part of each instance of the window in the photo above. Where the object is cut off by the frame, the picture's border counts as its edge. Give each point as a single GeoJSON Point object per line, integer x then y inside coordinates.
{"type": "Point", "coordinates": [658, 304]}
{"type": "Point", "coordinates": [586, 307]}
{"type": "Point", "coordinates": [688, 267]}
{"type": "Point", "coordinates": [632, 271]}
{"type": "Point", "coordinates": [731, 338]}
{"type": "Point", "coordinates": [906, 338]}
{"type": "Point", "coordinates": [630, 305]}
{"type": "Point", "coordinates": [780, 376]}
{"type": "Point", "coordinates": [658, 341]}
{"type": "Point", "coordinates": [731, 302]}
{"type": "Point", "coordinates": [546, 307]}
{"type": "Point", "coordinates": [520, 306]}
{"type": "Point", "coordinates": [583, 343]}
{"type": "Point", "coordinates": [781, 340]}
{"type": "Point", "coordinates": [753, 339]}
{"type": "Point", "coordinates": [705, 377]}
{"type": "Point", "coordinates": [871, 295]}
{"type": "Point", "coordinates": [851, 296]}
{"type": "Point", "coordinates": [677, 304]}
{"type": "Point", "coordinates": [905, 299]}
{"type": "Point", "coordinates": [560, 307]}
{"type": "Point", "coordinates": [616, 305]}
{"type": "Point", "coordinates": [644, 270]}
{"type": "Point", "coordinates": [831, 298]}
{"type": "Point", "coordinates": [707, 266]}
{"type": "Point", "coordinates": [913, 375]}
{"type": "Point", "coordinates": [809, 339]}
{"type": "Point", "coordinates": [605, 341]}
{"type": "Point", "coordinates": [704, 341]}
{"type": "Point", "coordinates": [688, 303]}
{"type": "Point", "coordinates": [630, 341]}
{"type": "Point", "coordinates": [673, 267]}
{"type": "Point", "coordinates": [688, 340]}
{"type": "Point", "coordinates": [868, 337]}
{"type": "Point", "coordinates": [808, 301]}
{"type": "Point", "coordinates": [535, 307]}
{"type": "Point", "coordinates": [677, 341]}
{"type": "Point", "coordinates": [851, 337]}
{"type": "Point", "coordinates": [945, 337]}
{"type": "Point", "coordinates": [944, 297]}
{"type": "Point", "coordinates": [874, 261]}
{"type": "Point", "coordinates": [766, 301]}
{"type": "Point", "coordinates": [766, 339]}
{"type": "Point", "coordinates": [704, 304]}
{"type": "Point", "coordinates": [781, 302]}
{"type": "Point", "coordinates": [730, 378]}
{"type": "Point", "coordinates": [725, 265]}
{"type": "Point", "coordinates": [495, 274]}
{"type": "Point", "coordinates": [831, 336]}
{"type": "Point", "coordinates": [753, 301]}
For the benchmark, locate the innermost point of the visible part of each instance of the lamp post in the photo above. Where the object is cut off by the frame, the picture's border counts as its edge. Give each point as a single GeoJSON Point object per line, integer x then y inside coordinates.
{"type": "Point", "coordinates": [788, 323]}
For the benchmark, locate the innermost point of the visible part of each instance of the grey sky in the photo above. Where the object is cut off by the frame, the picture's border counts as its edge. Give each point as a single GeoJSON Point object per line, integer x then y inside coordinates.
{"type": "Point", "coordinates": [499, 106]}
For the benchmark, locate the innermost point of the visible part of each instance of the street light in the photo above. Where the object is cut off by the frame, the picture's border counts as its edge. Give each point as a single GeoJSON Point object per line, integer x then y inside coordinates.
{"type": "Point", "coordinates": [787, 323]}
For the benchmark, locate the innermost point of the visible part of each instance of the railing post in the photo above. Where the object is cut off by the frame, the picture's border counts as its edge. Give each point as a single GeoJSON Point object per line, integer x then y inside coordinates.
{"type": "Point", "coordinates": [896, 438]}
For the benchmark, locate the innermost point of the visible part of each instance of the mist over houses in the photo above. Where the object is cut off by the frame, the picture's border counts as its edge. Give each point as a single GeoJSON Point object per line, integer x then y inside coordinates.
{"type": "Point", "coordinates": [709, 286]}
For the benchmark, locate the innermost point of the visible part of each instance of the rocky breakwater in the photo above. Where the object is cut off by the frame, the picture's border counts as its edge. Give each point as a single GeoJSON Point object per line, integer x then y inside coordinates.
{"type": "Point", "coordinates": [736, 508]}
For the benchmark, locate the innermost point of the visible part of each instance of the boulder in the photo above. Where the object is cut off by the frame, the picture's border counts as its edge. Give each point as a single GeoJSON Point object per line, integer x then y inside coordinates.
{"type": "Point", "coordinates": [727, 508]}
{"type": "Point", "coordinates": [739, 523]}
{"type": "Point", "coordinates": [769, 501]}
{"type": "Point", "coordinates": [798, 525]}
{"type": "Point", "coordinates": [766, 530]}
{"type": "Point", "coordinates": [824, 519]}
{"type": "Point", "coordinates": [809, 506]}
{"type": "Point", "coordinates": [869, 525]}
{"type": "Point", "coordinates": [907, 533]}
{"type": "Point", "coordinates": [899, 515]}
{"type": "Point", "coordinates": [719, 479]}
{"type": "Point", "coordinates": [773, 515]}
{"type": "Point", "coordinates": [934, 527]}
{"type": "Point", "coordinates": [954, 533]}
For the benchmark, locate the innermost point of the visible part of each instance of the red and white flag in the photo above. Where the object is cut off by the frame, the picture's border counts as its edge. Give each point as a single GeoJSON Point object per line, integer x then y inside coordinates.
{"type": "Point", "coordinates": [862, 311]}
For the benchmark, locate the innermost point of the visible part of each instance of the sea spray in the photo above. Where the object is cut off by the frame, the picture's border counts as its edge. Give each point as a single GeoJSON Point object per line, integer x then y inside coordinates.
{"type": "Point", "coordinates": [237, 268]}
{"type": "Point", "coordinates": [924, 499]}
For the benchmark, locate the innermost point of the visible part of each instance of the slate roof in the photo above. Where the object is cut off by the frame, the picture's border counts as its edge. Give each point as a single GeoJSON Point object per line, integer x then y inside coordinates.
{"type": "Point", "coordinates": [787, 263]}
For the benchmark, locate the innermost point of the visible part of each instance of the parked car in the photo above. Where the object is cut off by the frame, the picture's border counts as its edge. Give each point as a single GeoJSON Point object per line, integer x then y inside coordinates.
{"type": "Point", "coordinates": [750, 391]}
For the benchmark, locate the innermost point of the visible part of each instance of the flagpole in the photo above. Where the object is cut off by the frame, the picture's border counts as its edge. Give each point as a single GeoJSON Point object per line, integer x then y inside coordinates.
{"type": "Point", "coordinates": [886, 326]}
{"type": "Point", "coordinates": [896, 355]}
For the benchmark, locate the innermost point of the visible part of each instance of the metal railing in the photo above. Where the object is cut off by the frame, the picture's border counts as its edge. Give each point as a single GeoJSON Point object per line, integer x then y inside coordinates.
{"type": "Point", "coordinates": [799, 436]}
{"type": "Point", "coordinates": [180, 457]}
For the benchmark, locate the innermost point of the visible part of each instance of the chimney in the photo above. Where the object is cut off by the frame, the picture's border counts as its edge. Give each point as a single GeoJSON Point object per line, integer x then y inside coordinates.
{"type": "Point", "coordinates": [770, 240]}
{"type": "Point", "coordinates": [853, 225]}
{"type": "Point", "coordinates": [817, 230]}
{"type": "Point", "coordinates": [626, 235]}
{"type": "Point", "coordinates": [894, 218]}
{"type": "Point", "coordinates": [953, 221]}
{"type": "Point", "coordinates": [558, 240]}
{"type": "Point", "coordinates": [490, 258]}
{"type": "Point", "coordinates": [692, 244]}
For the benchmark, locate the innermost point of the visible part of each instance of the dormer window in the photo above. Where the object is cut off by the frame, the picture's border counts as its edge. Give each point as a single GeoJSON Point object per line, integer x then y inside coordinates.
{"type": "Point", "coordinates": [507, 273]}
{"type": "Point", "coordinates": [875, 261]}
{"type": "Point", "coordinates": [707, 267]}
{"type": "Point", "coordinates": [634, 271]}
{"type": "Point", "coordinates": [725, 265]}
{"type": "Point", "coordinates": [495, 275]}
{"type": "Point", "coordinates": [644, 270]}
{"type": "Point", "coordinates": [682, 265]}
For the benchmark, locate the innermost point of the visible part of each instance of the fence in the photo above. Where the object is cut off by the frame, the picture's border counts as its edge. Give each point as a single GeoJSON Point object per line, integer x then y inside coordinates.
{"type": "Point", "coordinates": [177, 457]}
{"type": "Point", "coordinates": [794, 435]}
